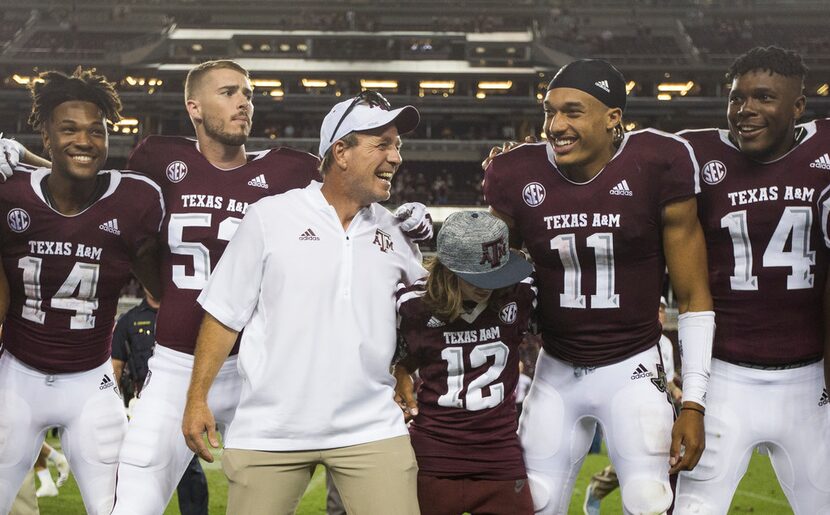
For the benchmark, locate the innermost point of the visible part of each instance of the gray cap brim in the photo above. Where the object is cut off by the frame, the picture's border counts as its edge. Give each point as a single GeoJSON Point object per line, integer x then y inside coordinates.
{"type": "Point", "coordinates": [516, 269]}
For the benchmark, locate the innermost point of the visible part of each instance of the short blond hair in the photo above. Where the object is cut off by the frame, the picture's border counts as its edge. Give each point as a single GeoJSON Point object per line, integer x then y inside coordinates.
{"type": "Point", "coordinates": [195, 75]}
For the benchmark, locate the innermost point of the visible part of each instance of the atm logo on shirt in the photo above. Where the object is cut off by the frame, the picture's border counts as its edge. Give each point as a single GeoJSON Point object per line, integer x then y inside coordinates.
{"type": "Point", "coordinates": [383, 241]}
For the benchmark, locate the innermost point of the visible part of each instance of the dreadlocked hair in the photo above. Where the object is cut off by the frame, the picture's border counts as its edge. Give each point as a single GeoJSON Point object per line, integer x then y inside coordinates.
{"type": "Point", "coordinates": [55, 88]}
{"type": "Point", "coordinates": [772, 59]}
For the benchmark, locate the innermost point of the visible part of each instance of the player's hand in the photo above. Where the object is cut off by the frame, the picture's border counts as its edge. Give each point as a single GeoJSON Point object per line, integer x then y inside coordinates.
{"type": "Point", "coordinates": [687, 433]}
{"type": "Point", "coordinates": [11, 152]}
{"type": "Point", "coordinates": [505, 148]}
{"type": "Point", "coordinates": [197, 421]}
{"type": "Point", "coordinates": [416, 222]}
{"type": "Point", "coordinates": [405, 393]}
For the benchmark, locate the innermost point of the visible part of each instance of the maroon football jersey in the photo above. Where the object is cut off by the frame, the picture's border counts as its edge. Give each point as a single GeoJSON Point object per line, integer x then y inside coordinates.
{"type": "Point", "coordinates": [597, 246]}
{"type": "Point", "coordinates": [205, 205]}
{"type": "Point", "coordinates": [767, 256]}
{"type": "Point", "coordinates": [466, 425]}
{"type": "Point", "coordinates": [66, 272]}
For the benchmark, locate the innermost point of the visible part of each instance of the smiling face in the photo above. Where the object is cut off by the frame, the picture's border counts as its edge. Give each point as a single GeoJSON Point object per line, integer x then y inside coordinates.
{"type": "Point", "coordinates": [580, 129]}
{"type": "Point", "coordinates": [222, 106]}
{"type": "Point", "coordinates": [763, 109]}
{"type": "Point", "coordinates": [76, 136]}
{"type": "Point", "coordinates": [372, 163]}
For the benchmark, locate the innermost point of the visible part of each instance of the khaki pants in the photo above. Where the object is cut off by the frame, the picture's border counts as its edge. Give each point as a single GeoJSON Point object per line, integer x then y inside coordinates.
{"type": "Point", "coordinates": [26, 501]}
{"type": "Point", "coordinates": [372, 478]}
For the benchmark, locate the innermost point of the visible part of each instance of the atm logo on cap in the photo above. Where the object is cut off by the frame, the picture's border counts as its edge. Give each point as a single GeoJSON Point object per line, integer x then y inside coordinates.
{"type": "Point", "coordinates": [493, 251]}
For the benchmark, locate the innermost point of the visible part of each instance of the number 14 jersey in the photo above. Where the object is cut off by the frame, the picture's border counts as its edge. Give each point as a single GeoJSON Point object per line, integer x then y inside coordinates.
{"type": "Point", "coordinates": [205, 205]}
{"type": "Point", "coordinates": [764, 226]}
{"type": "Point", "coordinates": [65, 272]}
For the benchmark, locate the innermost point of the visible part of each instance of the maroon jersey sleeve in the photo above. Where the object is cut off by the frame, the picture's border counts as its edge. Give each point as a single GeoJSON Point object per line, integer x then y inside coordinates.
{"type": "Point", "coordinates": [466, 426]}
{"type": "Point", "coordinates": [767, 256]}
{"type": "Point", "coordinates": [205, 205]}
{"type": "Point", "coordinates": [65, 273]}
{"type": "Point", "coordinates": [679, 180]}
{"type": "Point", "coordinates": [140, 160]}
{"type": "Point", "coordinates": [495, 178]}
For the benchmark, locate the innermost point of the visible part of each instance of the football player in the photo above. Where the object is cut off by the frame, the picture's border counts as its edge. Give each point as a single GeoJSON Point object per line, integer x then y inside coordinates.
{"type": "Point", "coordinates": [602, 213]}
{"type": "Point", "coordinates": [462, 328]}
{"type": "Point", "coordinates": [72, 233]}
{"type": "Point", "coordinates": [763, 206]}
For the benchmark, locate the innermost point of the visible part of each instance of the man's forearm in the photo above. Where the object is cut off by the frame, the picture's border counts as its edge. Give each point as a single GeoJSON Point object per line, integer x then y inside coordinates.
{"type": "Point", "coordinates": [213, 346]}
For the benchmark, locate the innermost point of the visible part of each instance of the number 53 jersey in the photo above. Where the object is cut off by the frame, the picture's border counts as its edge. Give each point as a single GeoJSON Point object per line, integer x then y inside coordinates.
{"type": "Point", "coordinates": [65, 273]}
{"type": "Point", "coordinates": [205, 205]}
{"type": "Point", "coordinates": [764, 225]}
{"type": "Point", "coordinates": [597, 246]}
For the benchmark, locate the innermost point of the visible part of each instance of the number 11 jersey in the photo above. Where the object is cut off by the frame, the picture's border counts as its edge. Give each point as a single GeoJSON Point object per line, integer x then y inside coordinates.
{"type": "Point", "coordinates": [597, 246]}
{"type": "Point", "coordinates": [205, 205]}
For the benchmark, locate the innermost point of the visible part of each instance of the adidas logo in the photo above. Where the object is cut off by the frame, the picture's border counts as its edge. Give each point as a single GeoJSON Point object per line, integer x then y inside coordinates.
{"type": "Point", "coordinates": [309, 235]}
{"type": "Point", "coordinates": [641, 372]}
{"type": "Point", "coordinates": [259, 182]}
{"type": "Point", "coordinates": [825, 399]}
{"type": "Point", "coordinates": [111, 227]}
{"type": "Point", "coordinates": [106, 382]}
{"type": "Point", "coordinates": [621, 189]}
{"type": "Point", "coordinates": [823, 162]}
{"type": "Point", "coordinates": [434, 322]}
{"type": "Point", "coordinates": [603, 85]}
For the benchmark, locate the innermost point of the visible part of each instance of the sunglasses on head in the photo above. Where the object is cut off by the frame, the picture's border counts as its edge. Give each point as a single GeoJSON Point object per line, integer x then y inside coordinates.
{"type": "Point", "coordinates": [372, 98]}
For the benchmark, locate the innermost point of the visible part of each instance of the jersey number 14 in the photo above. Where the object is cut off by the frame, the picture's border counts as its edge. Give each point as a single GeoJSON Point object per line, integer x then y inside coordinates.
{"type": "Point", "coordinates": [794, 226]}
{"type": "Point", "coordinates": [78, 293]}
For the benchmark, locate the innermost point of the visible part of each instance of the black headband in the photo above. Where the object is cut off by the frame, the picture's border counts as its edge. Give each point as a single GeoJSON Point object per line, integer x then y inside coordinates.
{"type": "Point", "coordinates": [595, 77]}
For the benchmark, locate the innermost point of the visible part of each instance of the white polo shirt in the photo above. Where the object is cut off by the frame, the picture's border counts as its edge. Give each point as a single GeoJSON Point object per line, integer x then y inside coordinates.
{"type": "Point", "coordinates": [318, 307]}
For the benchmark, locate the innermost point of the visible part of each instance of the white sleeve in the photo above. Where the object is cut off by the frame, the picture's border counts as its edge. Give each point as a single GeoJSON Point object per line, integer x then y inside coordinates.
{"type": "Point", "coordinates": [232, 291]}
{"type": "Point", "coordinates": [695, 330]}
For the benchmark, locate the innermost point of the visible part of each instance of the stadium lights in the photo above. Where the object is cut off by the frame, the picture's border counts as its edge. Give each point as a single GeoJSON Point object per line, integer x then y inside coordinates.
{"type": "Point", "coordinates": [437, 84]}
{"type": "Point", "coordinates": [247, 47]}
{"type": "Point", "coordinates": [314, 83]}
{"type": "Point", "coordinates": [629, 86]}
{"type": "Point", "coordinates": [277, 93]}
{"type": "Point", "coordinates": [823, 89]}
{"type": "Point", "coordinates": [676, 87]}
{"type": "Point", "coordinates": [24, 80]}
{"type": "Point", "coordinates": [481, 95]}
{"type": "Point", "coordinates": [378, 84]}
{"type": "Point", "coordinates": [127, 121]}
{"type": "Point", "coordinates": [664, 96]}
{"type": "Point", "coordinates": [197, 47]}
{"type": "Point", "coordinates": [266, 83]}
{"type": "Point", "coordinates": [495, 85]}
